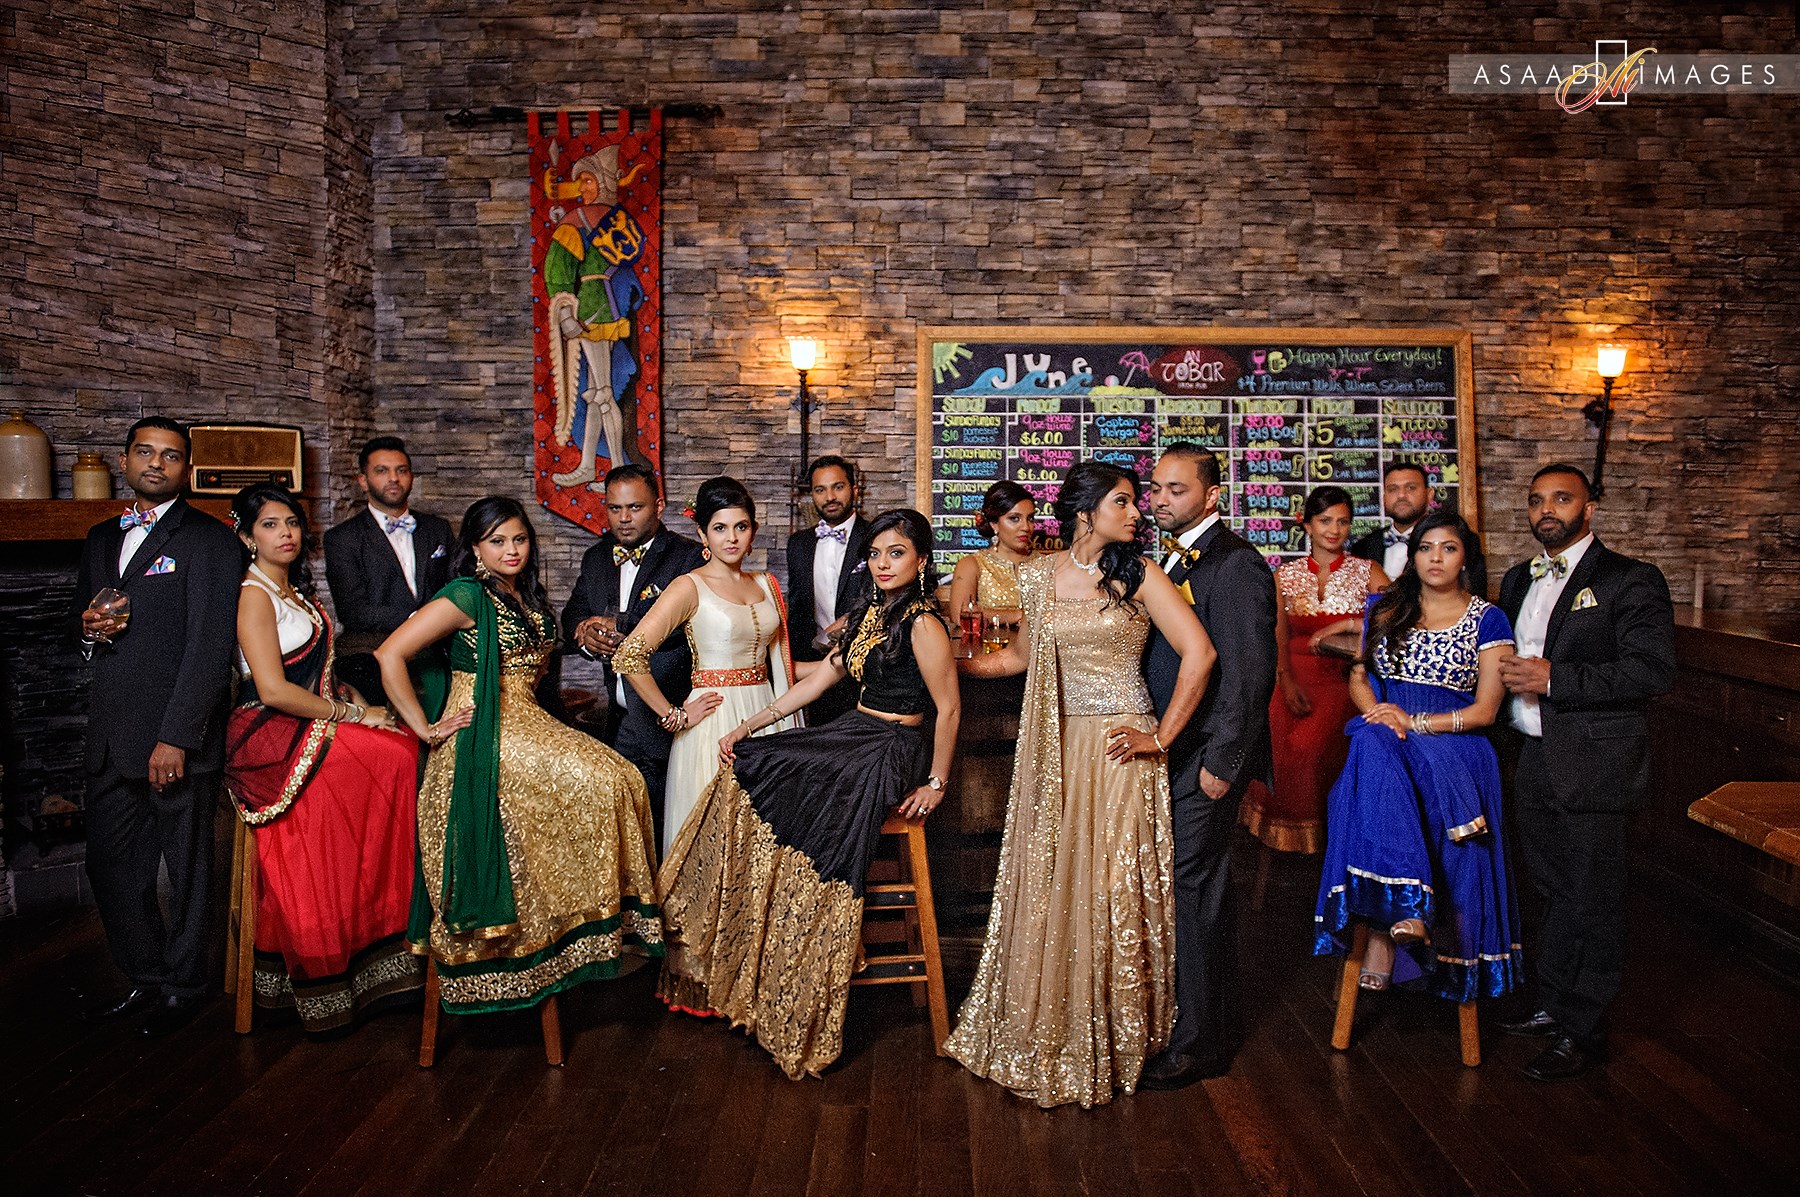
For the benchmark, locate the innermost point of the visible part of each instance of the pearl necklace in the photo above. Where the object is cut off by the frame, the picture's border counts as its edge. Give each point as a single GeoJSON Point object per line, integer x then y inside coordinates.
{"type": "Point", "coordinates": [291, 597]}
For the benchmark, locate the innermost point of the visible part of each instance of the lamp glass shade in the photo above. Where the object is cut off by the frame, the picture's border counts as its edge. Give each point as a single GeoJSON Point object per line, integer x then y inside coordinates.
{"type": "Point", "coordinates": [1611, 361]}
{"type": "Point", "coordinates": [803, 352]}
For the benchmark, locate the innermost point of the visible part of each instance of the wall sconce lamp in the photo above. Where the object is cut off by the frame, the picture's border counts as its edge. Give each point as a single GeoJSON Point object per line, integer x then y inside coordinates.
{"type": "Point", "coordinates": [1610, 363]}
{"type": "Point", "coordinates": [804, 353]}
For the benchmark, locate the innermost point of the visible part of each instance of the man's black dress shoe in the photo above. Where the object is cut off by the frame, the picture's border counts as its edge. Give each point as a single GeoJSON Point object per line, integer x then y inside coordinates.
{"type": "Point", "coordinates": [173, 1014]}
{"type": "Point", "coordinates": [1539, 1026]}
{"type": "Point", "coordinates": [111, 1008]}
{"type": "Point", "coordinates": [1176, 1070]}
{"type": "Point", "coordinates": [1564, 1060]}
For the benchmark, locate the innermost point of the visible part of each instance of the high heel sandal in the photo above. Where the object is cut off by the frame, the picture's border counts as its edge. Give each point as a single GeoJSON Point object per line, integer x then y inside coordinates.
{"type": "Point", "coordinates": [1373, 982]}
{"type": "Point", "coordinates": [1410, 932]}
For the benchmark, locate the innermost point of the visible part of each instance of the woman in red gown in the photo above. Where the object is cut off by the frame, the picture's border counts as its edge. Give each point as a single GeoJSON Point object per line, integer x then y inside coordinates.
{"type": "Point", "coordinates": [1320, 595]}
{"type": "Point", "coordinates": [327, 787]}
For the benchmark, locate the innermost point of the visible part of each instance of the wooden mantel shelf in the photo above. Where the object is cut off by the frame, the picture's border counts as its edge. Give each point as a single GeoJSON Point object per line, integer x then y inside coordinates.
{"type": "Point", "coordinates": [69, 519]}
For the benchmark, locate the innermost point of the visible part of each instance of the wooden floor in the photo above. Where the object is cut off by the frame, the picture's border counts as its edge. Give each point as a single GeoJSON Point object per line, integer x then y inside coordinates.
{"type": "Point", "coordinates": [1702, 1097]}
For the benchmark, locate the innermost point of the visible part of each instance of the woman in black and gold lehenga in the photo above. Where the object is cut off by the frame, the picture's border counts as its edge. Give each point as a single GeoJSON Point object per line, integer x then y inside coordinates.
{"type": "Point", "coordinates": [536, 866]}
{"type": "Point", "coordinates": [763, 888]}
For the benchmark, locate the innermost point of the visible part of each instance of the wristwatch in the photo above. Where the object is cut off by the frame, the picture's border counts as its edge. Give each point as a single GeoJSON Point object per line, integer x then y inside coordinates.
{"type": "Point", "coordinates": [935, 782]}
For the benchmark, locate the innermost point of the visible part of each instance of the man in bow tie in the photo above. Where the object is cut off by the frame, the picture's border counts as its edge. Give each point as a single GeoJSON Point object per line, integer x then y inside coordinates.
{"type": "Point", "coordinates": [827, 563]}
{"type": "Point", "coordinates": [1594, 643]}
{"type": "Point", "coordinates": [383, 563]}
{"type": "Point", "coordinates": [156, 723]}
{"type": "Point", "coordinates": [1224, 746]}
{"type": "Point", "coordinates": [1406, 496]}
{"type": "Point", "coordinates": [621, 576]}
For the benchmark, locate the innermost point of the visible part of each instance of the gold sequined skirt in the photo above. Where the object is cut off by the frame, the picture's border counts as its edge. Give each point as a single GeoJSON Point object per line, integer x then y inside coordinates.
{"type": "Point", "coordinates": [576, 819]}
{"type": "Point", "coordinates": [1075, 990]}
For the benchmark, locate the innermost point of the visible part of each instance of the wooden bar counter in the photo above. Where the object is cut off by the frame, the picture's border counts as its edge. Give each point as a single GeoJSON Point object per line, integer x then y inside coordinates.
{"type": "Point", "coordinates": [1733, 716]}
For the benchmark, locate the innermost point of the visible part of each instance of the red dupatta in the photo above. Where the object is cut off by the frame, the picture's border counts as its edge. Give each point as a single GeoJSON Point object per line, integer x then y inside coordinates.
{"type": "Point", "coordinates": [270, 755]}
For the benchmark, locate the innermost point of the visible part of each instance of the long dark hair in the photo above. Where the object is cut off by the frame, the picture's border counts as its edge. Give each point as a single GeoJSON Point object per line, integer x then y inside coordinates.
{"type": "Point", "coordinates": [1000, 498]}
{"type": "Point", "coordinates": [1083, 488]}
{"type": "Point", "coordinates": [478, 523]}
{"type": "Point", "coordinates": [917, 530]}
{"type": "Point", "coordinates": [246, 509]}
{"type": "Point", "coordinates": [1401, 607]}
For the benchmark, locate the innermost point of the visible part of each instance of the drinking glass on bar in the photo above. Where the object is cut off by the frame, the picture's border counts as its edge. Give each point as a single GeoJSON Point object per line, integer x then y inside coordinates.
{"type": "Point", "coordinates": [116, 606]}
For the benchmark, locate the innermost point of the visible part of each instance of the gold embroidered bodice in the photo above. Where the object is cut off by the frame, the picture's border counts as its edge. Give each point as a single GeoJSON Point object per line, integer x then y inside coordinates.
{"type": "Point", "coordinates": [1346, 590]}
{"type": "Point", "coordinates": [997, 587]}
{"type": "Point", "coordinates": [1100, 656]}
{"type": "Point", "coordinates": [524, 642]}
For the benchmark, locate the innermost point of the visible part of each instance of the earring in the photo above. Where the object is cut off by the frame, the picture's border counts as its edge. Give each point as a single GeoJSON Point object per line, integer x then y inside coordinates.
{"type": "Point", "coordinates": [482, 572]}
{"type": "Point", "coordinates": [705, 553]}
{"type": "Point", "coordinates": [253, 552]}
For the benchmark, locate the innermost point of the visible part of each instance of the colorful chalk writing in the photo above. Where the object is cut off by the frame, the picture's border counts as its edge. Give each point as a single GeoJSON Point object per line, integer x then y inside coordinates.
{"type": "Point", "coordinates": [1283, 414]}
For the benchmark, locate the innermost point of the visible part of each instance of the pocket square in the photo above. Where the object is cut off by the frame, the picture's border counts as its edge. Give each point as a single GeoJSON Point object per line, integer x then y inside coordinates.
{"type": "Point", "coordinates": [1187, 592]}
{"type": "Point", "coordinates": [1584, 600]}
{"type": "Point", "coordinates": [650, 591]}
{"type": "Point", "coordinates": [438, 552]}
{"type": "Point", "coordinates": [162, 565]}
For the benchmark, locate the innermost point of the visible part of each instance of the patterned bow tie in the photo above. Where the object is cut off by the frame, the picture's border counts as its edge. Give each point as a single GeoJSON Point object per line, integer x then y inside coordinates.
{"type": "Point", "coordinates": [1392, 537]}
{"type": "Point", "coordinates": [621, 554]}
{"type": "Point", "coordinates": [1188, 556]}
{"type": "Point", "coordinates": [400, 523]}
{"type": "Point", "coordinates": [1557, 566]}
{"type": "Point", "coordinates": [827, 532]}
{"type": "Point", "coordinates": [133, 518]}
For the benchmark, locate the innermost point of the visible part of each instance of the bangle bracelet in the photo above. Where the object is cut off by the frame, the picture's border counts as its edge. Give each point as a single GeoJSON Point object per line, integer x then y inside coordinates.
{"type": "Point", "coordinates": [1157, 740]}
{"type": "Point", "coordinates": [1456, 721]}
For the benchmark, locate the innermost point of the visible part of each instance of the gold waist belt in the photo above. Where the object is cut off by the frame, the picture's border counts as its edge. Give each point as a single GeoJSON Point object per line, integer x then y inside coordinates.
{"type": "Point", "coordinates": [756, 675]}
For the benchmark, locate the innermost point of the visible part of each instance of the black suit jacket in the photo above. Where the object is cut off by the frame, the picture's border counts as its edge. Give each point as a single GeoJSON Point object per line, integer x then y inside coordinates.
{"type": "Point", "coordinates": [1371, 546]}
{"type": "Point", "coordinates": [803, 620]}
{"type": "Point", "coordinates": [1607, 661]}
{"type": "Point", "coordinates": [597, 593]}
{"type": "Point", "coordinates": [167, 677]}
{"type": "Point", "coordinates": [1234, 596]}
{"type": "Point", "coordinates": [368, 587]}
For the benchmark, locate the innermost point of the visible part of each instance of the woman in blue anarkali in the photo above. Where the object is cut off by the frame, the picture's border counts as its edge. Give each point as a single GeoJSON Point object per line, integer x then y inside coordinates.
{"type": "Point", "coordinates": [1414, 847]}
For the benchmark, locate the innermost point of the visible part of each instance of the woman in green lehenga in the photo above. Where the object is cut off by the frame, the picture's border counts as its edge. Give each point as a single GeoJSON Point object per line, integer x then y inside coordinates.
{"type": "Point", "coordinates": [537, 869]}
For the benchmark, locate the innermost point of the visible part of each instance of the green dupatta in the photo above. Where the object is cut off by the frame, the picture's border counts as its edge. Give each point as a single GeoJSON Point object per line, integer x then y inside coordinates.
{"type": "Point", "coordinates": [476, 894]}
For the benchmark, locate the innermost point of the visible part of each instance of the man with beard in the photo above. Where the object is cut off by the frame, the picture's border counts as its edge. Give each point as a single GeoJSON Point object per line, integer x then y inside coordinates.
{"type": "Point", "coordinates": [1406, 495]}
{"type": "Point", "coordinates": [383, 563]}
{"type": "Point", "coordinates": [1595, 643]}
{"type": "Point", "coordinates": [1224, 746]}
{"type": "Point", "coordinates": [156, 723]}
{"type": "Point", "coordinates": [621, 576]}
{"type": "Point", "coordinates": [826, 564]}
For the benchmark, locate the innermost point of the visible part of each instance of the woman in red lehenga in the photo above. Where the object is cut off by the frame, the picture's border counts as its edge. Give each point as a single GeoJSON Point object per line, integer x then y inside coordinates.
{"type": "Point", "coordinates": [326, 786]}
{"type": "Point", "coordinates": [1319, 595]}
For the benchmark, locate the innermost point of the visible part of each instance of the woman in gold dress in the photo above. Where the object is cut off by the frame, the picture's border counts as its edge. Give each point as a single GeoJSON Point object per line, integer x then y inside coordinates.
{"type": "Point", "coordinates": [1075, 990]}
{"type": "Point", "coordinates": [991, 576]}
{"type": "Point", "coordinates": [537, 869]}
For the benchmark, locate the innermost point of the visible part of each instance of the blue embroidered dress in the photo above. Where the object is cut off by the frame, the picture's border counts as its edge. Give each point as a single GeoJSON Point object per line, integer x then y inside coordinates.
{"type": "Point", "coordinates": [1414, 824]}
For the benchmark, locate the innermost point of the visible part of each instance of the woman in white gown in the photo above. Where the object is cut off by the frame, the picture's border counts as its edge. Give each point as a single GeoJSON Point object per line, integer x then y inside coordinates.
{"type": "Point", "coordinates": [736, 626]}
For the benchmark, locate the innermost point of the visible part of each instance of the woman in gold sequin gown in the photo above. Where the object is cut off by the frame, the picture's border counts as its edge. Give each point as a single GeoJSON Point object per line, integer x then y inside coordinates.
{"type": "Point", "coordinates": [1075, 990]}
{"type": "Point", "coordinates": [537, 868]}
{"type": "Point", "coordinates": [990, 576]}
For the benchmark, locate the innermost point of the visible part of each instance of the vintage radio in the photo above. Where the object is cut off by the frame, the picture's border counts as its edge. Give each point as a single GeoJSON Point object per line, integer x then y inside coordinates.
{"type": "Point", "coordinates": [228, 457]}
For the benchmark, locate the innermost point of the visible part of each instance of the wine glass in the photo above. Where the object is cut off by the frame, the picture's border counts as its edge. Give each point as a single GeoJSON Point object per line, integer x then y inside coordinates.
{"type": "Point", "coordinates": [116, 606]}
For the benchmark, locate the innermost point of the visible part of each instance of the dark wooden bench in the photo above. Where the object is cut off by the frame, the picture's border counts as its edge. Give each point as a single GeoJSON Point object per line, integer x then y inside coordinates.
{"type": "Point", "coordinates": [1763, 814]}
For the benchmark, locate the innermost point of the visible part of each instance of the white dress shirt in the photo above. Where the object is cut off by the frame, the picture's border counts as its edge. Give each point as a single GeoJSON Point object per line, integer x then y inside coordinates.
{"type": "Point", "coordinates": [128, 544]}
{"type": "Point", "coordinates": [1532, 631]}
{"type": "Point", "coordinates": [628, 572]}
{"type": "Point", "coordinates": [401, 541]}
{"type": "Point", "coordinates": [828, 567]}
{"type": "Point", "coordinates": [1393, 561]}
{"type": "Point", "coordinates": [1187, 540]}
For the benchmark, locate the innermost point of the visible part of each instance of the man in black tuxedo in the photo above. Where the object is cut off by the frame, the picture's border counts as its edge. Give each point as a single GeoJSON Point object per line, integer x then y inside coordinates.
{"type": "Point", "coordinates": [1406, 496]}
{"type": "Point", "coordinates": [826, 566]}
{"type": "Point", "coordinates": [635, 561]}
{"type": "Point", "coordinates": [1223, 748]}
{"type": "Point", "coordinates": [157, 703]}
{"type": "Point", "coordinates": [383, 563]}
{"type": "Point", "coordinates": [1595, 642]}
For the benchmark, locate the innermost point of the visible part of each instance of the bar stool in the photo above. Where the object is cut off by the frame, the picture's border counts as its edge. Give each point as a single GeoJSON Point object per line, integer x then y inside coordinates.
{"type": "Point", "coordinates": [1467, 1024]}
{"type": "Point", "coordinates": [918, 964]}
{"type": "Point", "coordinates": [240, 926]}
{"type": "Point", "coordinates": [549, 1017]}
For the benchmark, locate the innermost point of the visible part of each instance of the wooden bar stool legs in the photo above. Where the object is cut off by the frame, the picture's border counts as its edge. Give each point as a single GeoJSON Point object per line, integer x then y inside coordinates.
{"type": "Point", "coordinates": [549, 1019]}
{"type": "Point", "coordinates": [920, 965]}
{"type": "Point", "coordinates": [1467, 1020]}
{"type": "Point", "coordinates": [240, 929]}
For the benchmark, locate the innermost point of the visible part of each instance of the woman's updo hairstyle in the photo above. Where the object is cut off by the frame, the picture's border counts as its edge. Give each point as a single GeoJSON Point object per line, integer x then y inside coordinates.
{"type": "Point", "coordinates": [1001, 498]}
{"type": "Point", "coordinates": [721, 494]}
{"type": "Point", "coordinates": [1322, 499]}
{"type": "Point", "coordinates": [246, 509]}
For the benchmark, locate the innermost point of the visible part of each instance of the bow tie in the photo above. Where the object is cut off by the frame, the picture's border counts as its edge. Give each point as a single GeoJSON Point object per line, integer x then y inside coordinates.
{"type": "Point", "coordinates": [400, 523]}
{"type": "Point", "coordinates": [133, 518]}
{"type": "Point", "coordinates": [621, 554]}
{"type": "Point", "coordinates": [827, 532]}
{"type": "Point", "coordinates": [1557, 566]}
{"type": "Point", "coordinates": [1392, 537]}
{"type": "Point", "coordinates": [1188, 555]}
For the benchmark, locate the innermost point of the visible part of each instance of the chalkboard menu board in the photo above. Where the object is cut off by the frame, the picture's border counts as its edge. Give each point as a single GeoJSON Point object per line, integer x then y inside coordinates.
{"type": "Point", "coordinates": [1286, 409]}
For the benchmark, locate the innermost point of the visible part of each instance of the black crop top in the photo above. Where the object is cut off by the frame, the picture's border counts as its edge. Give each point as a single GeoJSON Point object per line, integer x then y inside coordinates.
{"type": "Point", "coordinates": [897, 688]}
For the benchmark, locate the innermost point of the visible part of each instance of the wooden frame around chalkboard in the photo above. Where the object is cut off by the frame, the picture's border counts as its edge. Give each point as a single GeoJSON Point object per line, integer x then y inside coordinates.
{"type": "Point", "coordinates": [1458, 340]}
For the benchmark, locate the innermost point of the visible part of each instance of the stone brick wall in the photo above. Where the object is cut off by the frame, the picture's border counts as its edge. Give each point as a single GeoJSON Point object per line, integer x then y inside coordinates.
{"type": "Point", "coordinates": [881, 167]}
